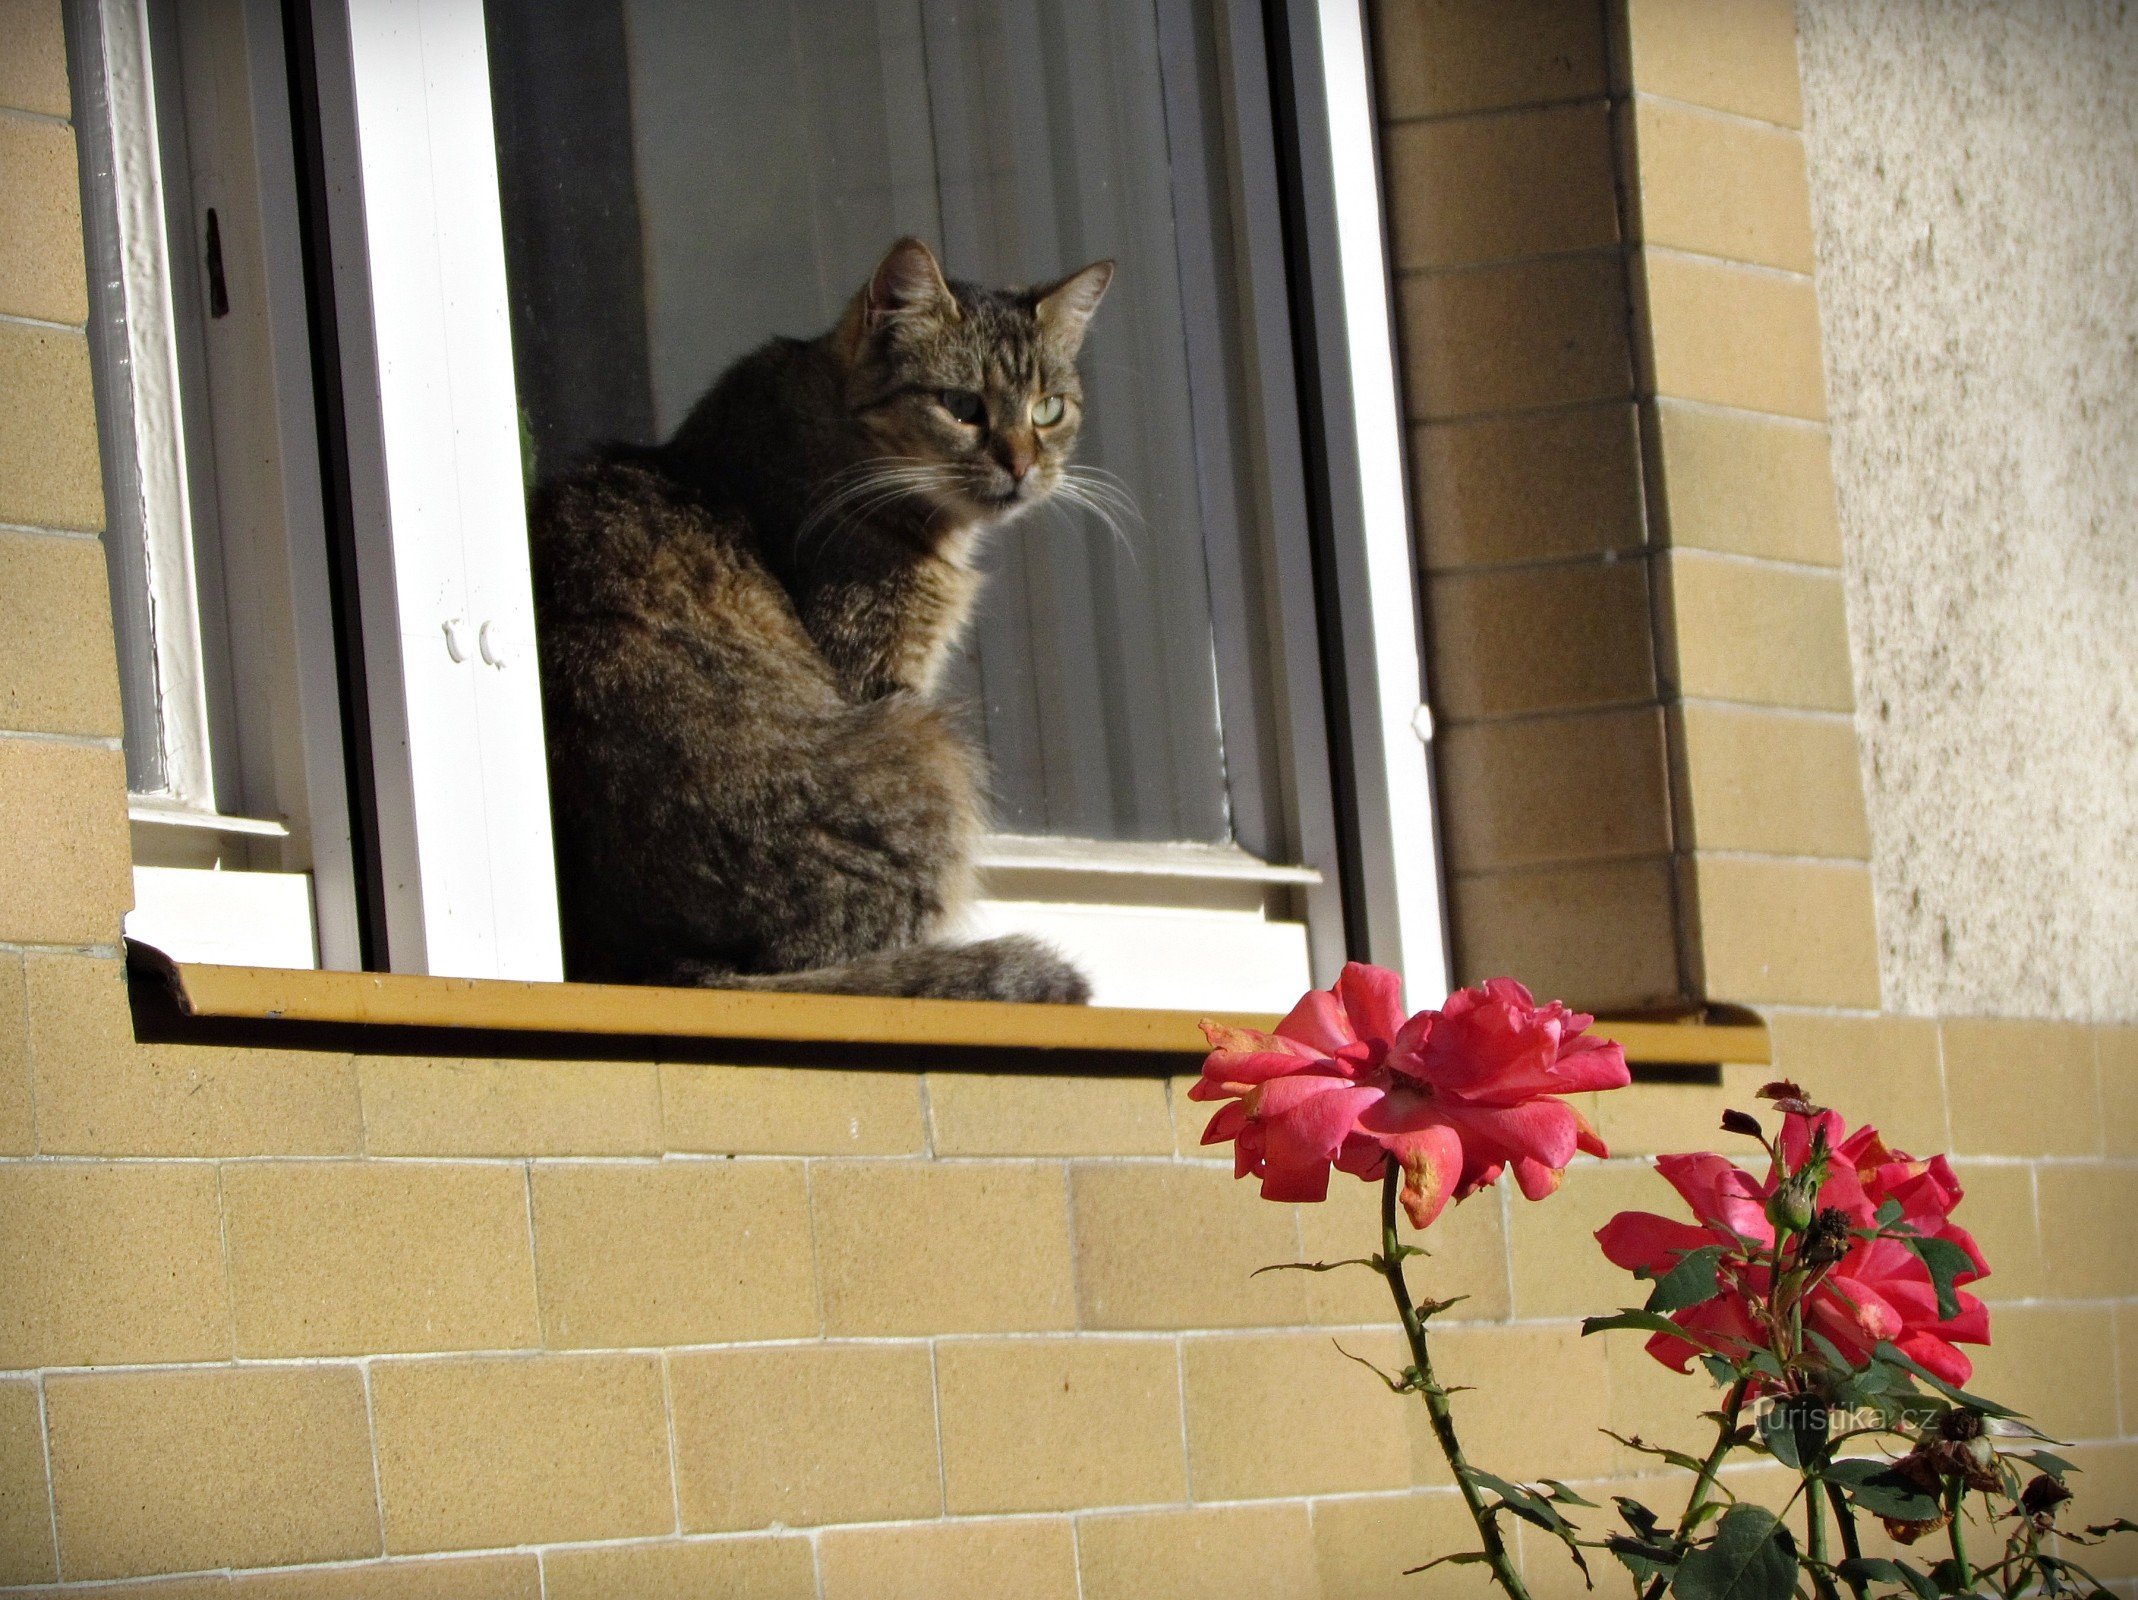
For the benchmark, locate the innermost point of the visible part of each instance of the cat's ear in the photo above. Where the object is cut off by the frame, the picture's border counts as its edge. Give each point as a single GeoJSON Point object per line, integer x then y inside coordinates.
{"type": "Point", "coordinates": [1064, 309]}
{"type": "Point", "coordinates": [908, 281]}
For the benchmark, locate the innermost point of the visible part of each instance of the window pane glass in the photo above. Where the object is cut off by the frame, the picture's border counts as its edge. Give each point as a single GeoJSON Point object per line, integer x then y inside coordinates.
{"type": "Point", "coordinates": [683, 179]}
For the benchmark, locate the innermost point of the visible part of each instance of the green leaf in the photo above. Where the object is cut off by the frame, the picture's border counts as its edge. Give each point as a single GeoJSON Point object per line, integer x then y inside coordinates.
{"type": "Point", "coordinates": [1646, 1320]}
{"type": "Point", "coordinates": [1461, 1558]}
{"type": "Point", "coordinates": [1638, 1517]}
{"type": "Point", "coordinates": [1564, 1495]}
{"type": "Point", "coordinates": [1859, 1570]}
{"type": "Point", "coordinates": [1794, 1431]}
{"type": "Point", "coordinates": [1889, 1213]}
{"type": "Point", "coordinates": [1720, 1370]}
{"type": "Point", "coordinates": [1945, 1261]}
{"type": "Point", "coordinates": [1878, 1489]}
{"type": "Point", "coordinates": [1677, 1458]}
{"type": "Point", "coordinates": [1318, 1266]}
{"type": "Point", "coordinates": [1958, 1396]}
{"type": "Point", "coordinates": [2046, 1461]}
{"type": "Point", "coordinates": [1752, 1557]}
{"type": "Point", "coordinates": [1691, 1282]}
{"type": "Point", "coordinates": [1644, 1560]}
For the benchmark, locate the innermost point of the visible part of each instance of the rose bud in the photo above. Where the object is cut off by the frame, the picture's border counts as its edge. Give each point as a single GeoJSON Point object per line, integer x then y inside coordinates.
{"type": "Point", "coordinates": [1740, 1122]}
{"type": "Point", "coordinates": [2041, 1497]}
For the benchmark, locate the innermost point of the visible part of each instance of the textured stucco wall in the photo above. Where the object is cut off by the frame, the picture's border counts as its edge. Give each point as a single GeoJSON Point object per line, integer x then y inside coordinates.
{"type": "Point", "coordinates": [1974, 175]}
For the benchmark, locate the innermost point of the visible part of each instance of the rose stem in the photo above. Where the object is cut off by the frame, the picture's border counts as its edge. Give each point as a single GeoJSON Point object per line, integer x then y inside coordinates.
{"type": "Point", "coordinates": [1731, 1405]}
{"type": "Point", "coordinates": [1436, 1400]}
{"type": "Point", "coordinates": [1956, 1505]}
{"type": "Point", "coordinates": [1845, 1520]}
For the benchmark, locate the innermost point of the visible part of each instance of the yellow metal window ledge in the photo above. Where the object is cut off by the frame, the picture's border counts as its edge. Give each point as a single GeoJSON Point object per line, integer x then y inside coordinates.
{"type": "Point", "coordinates": [266, 995]}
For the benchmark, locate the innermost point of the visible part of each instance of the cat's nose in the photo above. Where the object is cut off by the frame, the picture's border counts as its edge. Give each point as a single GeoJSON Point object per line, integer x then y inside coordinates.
{"type": "Point", "coordinates": [1016, 459]}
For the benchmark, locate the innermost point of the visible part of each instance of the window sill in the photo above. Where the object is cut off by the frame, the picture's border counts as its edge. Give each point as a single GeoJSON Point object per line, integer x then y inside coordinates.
{"type": "Point", "coordinates": [389, 1011]}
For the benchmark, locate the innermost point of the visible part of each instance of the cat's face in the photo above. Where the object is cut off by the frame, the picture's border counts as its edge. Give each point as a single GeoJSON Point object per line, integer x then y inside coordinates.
{"type": "Point", "coordinates": [968, 399]}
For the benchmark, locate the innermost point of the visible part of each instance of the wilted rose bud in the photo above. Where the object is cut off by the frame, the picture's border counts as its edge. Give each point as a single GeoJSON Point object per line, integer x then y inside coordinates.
{"type": "Point", "coordinates": [1740, 1122]}
{"type": "Point", "coordinates": [1788, 1096]}
{"type": "Point", "coordinates": [1960, 1423]}
{"type": "Point", "coordinates": [1909, 1532]}
{"type": "Point", "coordinates": [2041, 1497]}
{"type": "Point", "coordinates": [1826, 1240]}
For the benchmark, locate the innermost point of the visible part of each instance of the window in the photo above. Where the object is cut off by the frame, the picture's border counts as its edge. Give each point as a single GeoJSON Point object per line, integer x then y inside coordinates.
{"type": "Point", "coordinates": [370, 265]}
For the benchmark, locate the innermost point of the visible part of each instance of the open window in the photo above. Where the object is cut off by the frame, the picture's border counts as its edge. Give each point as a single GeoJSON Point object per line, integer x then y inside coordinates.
{"type": "Point", "coordinates": [369, 267]}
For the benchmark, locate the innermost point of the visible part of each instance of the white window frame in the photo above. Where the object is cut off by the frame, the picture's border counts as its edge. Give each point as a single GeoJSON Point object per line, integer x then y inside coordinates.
{"type": "Point", "coordinates": [445, 597]}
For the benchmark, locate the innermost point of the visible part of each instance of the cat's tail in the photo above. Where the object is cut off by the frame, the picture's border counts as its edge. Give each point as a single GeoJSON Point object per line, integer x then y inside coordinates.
{"type": "Point", "coordinates": [1013, 967]}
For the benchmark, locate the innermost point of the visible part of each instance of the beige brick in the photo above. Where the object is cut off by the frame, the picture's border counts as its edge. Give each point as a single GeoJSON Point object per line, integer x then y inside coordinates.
{"type": "Point", "coordinates": [790, 1111]}
{"type": "Point", "coordinates": [18, 1121]}
{"type": "Point", "coordinates": [33, 57]}
{"type": "Point", "coordinates": [25, 1504]}
{"type": "Point", "coordinates": [1790, 932]}
{"type": "Point", "coordinates": [1468, 190]}
{"type": "Point", "coordinates": [1285, 1414]}
{"type": "Point", "coordinates": [2115, 1053]}
{"type": "Point", "coordinates": [1602, 935]}
{"type": "Point", "coordinates": [2085, 1229]}
{"type": "Point", "coordinates": [341, 1258]}
{"type": "Point", "coordinates": [56, 671]}
{"type": "Point", "coordinates": [1508, 338]}
{"type": "Point", "coordinates": [2106, 1487]}
{"type": "Point", "coordinates": [1998, 1210]}
{"type": "Point", "coordinates": [503, 1577]}
{"type": "Point", "coordinates": [1770, 783]}
{"type": "Point", "coordinates": [1587, 644]}
{"type": "Point", "coordinates": [688, 1252]}
{"type": "Point", "coordinates": [1539, 1400]}
{"type": "Point", "coordinates": [41, 272]}
{"type": "Point", "coordinates": [99, 1093]}
{"type": "Point", "coordinates": [1558, 1269]}
{"type": "Point", "coordinates": [998, 1114]}
{"type": "Point", "coordinates": [1516, 794]}
{"type": "Point", "coordinates": [1364, 1546]}
{"type": "Point", "coordinates": [418, 1107]}
{"type": "Point", "coordinates": [1738, 56]}
{"type": "Point", "coordinates": [1190, 1118]}
{"type": "Point", "coordinates": [521, 1450]}
{"type": "Point", "coordinates": [177, 1471]}
{"type": "Point", "coordinates": [2127, 1365]}
{"type": "Point", "coordinates": [1662, 1116]}
{"type": "Point", "coordinates": [913, 1247]}
{"type": "Point", "coordinates": [1211, 1553]}
{"type": "Point", "coordinates": [952, 1561]}
{"type": "Point", "coordinates": [1655, 1403]}
{"type": "Point", "coordinates": [1746, 484]}
{"type": "Point", "coordinates": [49, 476]}
{"type": "Point", "coordinates": [1747, 631]}
{"type": "Point", "coordinates": [1722, 186]}
{"type": "Point", "coordinates": [1164, 1245]}
{"type": "Point", "coordinates": [107, 1264]}
{"type": "Point", "coordinates": [1525, 488]}
{"type": "Point", "coordinates": [2021, 1088]}
{"type": "Point", "coordinates": [1055, 1424]}
{"type": "Point", "coordinates": [805, 1434]}
{"type": "Point", "coordinates": [730, 1569]}
{"type": "Point", "coordinates": [1437, 57]}
{"type": "Point", "coordinates": [1878, 1070]}
{"type": "Point", "coordinates": [2055, 1363]}
{"type": "Point", "coordinates": [66, 861]}
{"type": "Point", "coordinates": [1466, 1254]}
{"type": "Point", "coordinates": [213, 1586]}
{"type": "Point", "coordinates": [1730, 335]}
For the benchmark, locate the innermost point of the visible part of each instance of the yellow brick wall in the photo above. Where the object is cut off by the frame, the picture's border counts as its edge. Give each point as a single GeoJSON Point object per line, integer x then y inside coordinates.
{"type": "Point", "coordinates": [297, 1324]}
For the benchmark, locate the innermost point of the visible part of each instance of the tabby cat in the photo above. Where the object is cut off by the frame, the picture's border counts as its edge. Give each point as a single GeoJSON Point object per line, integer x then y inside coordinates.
{"type": "Point", "coordinates": [741, 632]}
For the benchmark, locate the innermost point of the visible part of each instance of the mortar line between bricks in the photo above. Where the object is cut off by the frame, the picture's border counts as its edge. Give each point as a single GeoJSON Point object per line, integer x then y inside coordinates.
{"type": "Point", "coordinates": [44, 324]}
{"type": "Point", "coordinates": [44, 1438]}
{"type": "Point", "coordinates": [73, 741]}
{"type": "Point", "coordinates": [33, 530]}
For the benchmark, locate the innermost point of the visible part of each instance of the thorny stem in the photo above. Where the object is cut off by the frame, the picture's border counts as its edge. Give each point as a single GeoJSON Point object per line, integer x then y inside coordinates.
{"type": "Point", "coordinates": [1845, 1520]}
{"type": "Point", "coordinates": [1732, 1404]}
{"type": "Point", "coordinates": [1815, 1536]}
{"type": "Point", "coordinates": [1436, 1400]}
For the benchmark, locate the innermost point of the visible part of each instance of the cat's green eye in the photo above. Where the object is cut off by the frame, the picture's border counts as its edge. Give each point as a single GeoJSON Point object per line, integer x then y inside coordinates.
{"type": "Point", "coordinates": [1047, 410]}
{"type": "Point", "coordinates": [964, 406]}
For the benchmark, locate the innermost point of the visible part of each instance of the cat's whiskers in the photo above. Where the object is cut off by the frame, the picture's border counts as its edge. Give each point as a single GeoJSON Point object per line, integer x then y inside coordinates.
{"type": "Point", "coordinates": [1102, 494]}
{"type": "Point", "coordinates": [872, 485]}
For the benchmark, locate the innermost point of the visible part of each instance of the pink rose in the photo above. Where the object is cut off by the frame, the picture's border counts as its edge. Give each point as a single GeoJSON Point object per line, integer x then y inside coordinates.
{"type": "Point", "coordinates": [1453, 1095]}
